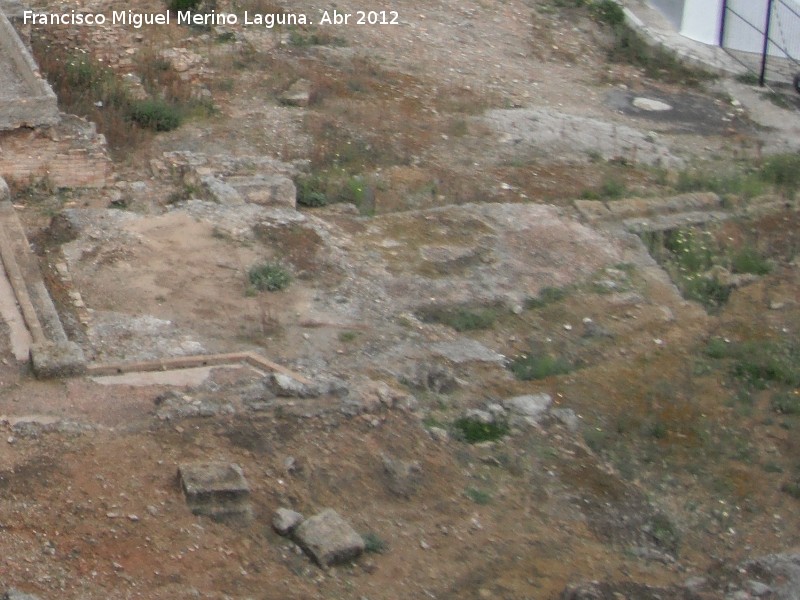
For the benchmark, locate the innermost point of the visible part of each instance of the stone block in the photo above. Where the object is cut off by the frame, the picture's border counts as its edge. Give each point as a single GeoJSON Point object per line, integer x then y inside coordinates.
{"type": "Point", "coordinates": [329, 539]}
{"type": "Point", "coordinates": [217, 489]}
{"type": "Point", "coordinates": [285, 521]}
{"type": "Point", "coordinates": [57, 359]}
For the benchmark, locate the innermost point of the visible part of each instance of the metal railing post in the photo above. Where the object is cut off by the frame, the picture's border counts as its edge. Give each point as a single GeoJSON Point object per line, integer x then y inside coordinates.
{"type": "Point", "coordinates": [763, 76]}
{"type": "Point", "coordinates": [722, 23]}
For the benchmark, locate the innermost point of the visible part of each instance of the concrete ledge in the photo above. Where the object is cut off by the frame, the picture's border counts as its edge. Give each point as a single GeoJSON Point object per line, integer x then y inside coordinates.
{"type": "Point", "coordinates": [63, 359]}
{"type": "Point", "coordinates": [37, 104]}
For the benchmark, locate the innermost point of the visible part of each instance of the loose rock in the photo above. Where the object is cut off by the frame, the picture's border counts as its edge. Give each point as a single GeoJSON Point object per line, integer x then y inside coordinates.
{"type": "Point", "coordinates": [285, 521]}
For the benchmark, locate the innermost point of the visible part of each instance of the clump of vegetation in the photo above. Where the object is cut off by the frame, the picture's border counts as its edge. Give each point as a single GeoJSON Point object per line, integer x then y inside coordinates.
{"type": "Point", "coordinates": [786, 403]}
{"type": "Point", "coordinates": [155, 114]}
{"type": "Point", "coordinates": [782, 171]}
{"type": "Point", "coordinates": [87, 87]}
{"type": "Point", "coordinates": [460, 318]}
{"type": "Point", "coordinates": [181, 5]}
{"type": "Point", "coordinates": [538, 365]}
{"type": "Point", "coordinates": [473, 431]}
{"type": "Point", "coordinates": [749, 260]}
{"type": "Point", "coordinates": [792, 488]}
{"type": "Point", "coordinates": [478, 496]}
{"type": "Point", "coordinates": [373, 543]}
{"type": "Point", "coordinates": [759, 362]}
{"type": "Point", "coordinates": [612, 188]}
{"type": "Point", "coordinates": [664, 533]}
{"type": "Point", "coordinates": [745, 184]}
{"type": "Point", "coordinates": [547, 295]}
{"type": "Point", "coordinates": [310, 191]}
{"type": "Point", "coordinates": [692, 257]}
{"type": "Point", "coordinates": [269, 276]}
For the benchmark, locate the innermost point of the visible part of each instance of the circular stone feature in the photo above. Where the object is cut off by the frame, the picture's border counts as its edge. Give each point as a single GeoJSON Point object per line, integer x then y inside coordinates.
{"type": "Point", "coordinates": [650, 104]}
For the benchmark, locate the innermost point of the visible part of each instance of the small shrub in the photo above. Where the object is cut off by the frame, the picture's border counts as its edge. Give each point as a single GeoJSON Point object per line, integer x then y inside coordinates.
{"type": "Point", "coordinates": [182, 5]}
{"type": "Point", "coordinates": [611, 188]}
{"type": "Point", "coordinates": [608, 12]}
{"type": "Point", "coordinates": [460, 318]}
{"type": "Point", "coordinates": [717, 348]}
{"type": "Point", "coordinates": [155, 114]}
{"type": "Point", "coordinates": [786, 403]}
{"type": "Point", "coordinates": [348, 336]}
{"type": "Point", "coordinates": [744, 184]}
{"type": "Point", "coordinates": [759, 363]}
{"type": "Point", "coordinates": [475, 432]}
{"type": "Point", "coordinates": [478, 496]}
{"type": "Point", "coordinates": [534, 365]}
{"type": "Point", "coordinates": [373, 543]}
{"type": "Point", "coordinates": [664, 533]}
{"type": "Point", "coordinates": [547, 295]}
{"type": "Point", "coordinates": [269, 277]}
{"type": "Point", "coordinates": [792, 488]}
{"type": "Point", "coordinates": [596, 438]}
{"type": "Point", "coordinates": [748, 260]}
{"type": "Point", "coordinates": [708, 291]}
{"type": "Point", "coordinates": [782, 171]}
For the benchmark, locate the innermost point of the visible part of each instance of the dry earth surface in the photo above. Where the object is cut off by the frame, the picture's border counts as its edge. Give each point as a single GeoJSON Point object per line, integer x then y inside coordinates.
{"type": "Point", "coordinates": [458, 142]}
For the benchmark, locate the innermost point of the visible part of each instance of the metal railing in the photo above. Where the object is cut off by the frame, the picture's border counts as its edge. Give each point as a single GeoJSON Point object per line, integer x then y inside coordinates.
{"type": "Point", "coordinates": [764, 36]}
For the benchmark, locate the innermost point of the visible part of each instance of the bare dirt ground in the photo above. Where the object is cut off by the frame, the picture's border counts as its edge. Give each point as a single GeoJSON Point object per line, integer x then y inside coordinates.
{"type": "Point", "coordinates": [463, 135]}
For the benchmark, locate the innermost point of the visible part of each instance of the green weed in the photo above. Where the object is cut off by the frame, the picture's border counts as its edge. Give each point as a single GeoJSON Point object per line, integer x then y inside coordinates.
{"type": "Point", "coordinates": [475, 432]}
{"type": "Point", "coordinates": [547, 295]}
{"type": "Point", "coordinates": [269, 277]}
{"type": "Point", "coordinates": [786, 403]}
{"type": "Point", "coordinates": [536, 365]}
{"type": "Point", "coordinates": [373, 543]}
{"type": "Point", "coordinates": [478, 496]}
{"type": "Point", "coordinates": [460, 318]}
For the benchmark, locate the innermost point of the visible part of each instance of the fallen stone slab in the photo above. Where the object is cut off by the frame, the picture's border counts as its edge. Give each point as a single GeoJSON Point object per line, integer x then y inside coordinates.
{"type": "Point", "coordinates": [216, 489]}
{"type": "Point", "coordinates": [285, 521]}
{"type": "Point", "coordinates": [51, 360]}
{"type": "Point", "coordinates": [329, 539]}
{"type": "Point", "coordinates": [465, 350]}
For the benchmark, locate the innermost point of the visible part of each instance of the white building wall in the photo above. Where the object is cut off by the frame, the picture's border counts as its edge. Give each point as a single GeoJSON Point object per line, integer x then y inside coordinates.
{"type": "Point", "coordinates": [701, 20]}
